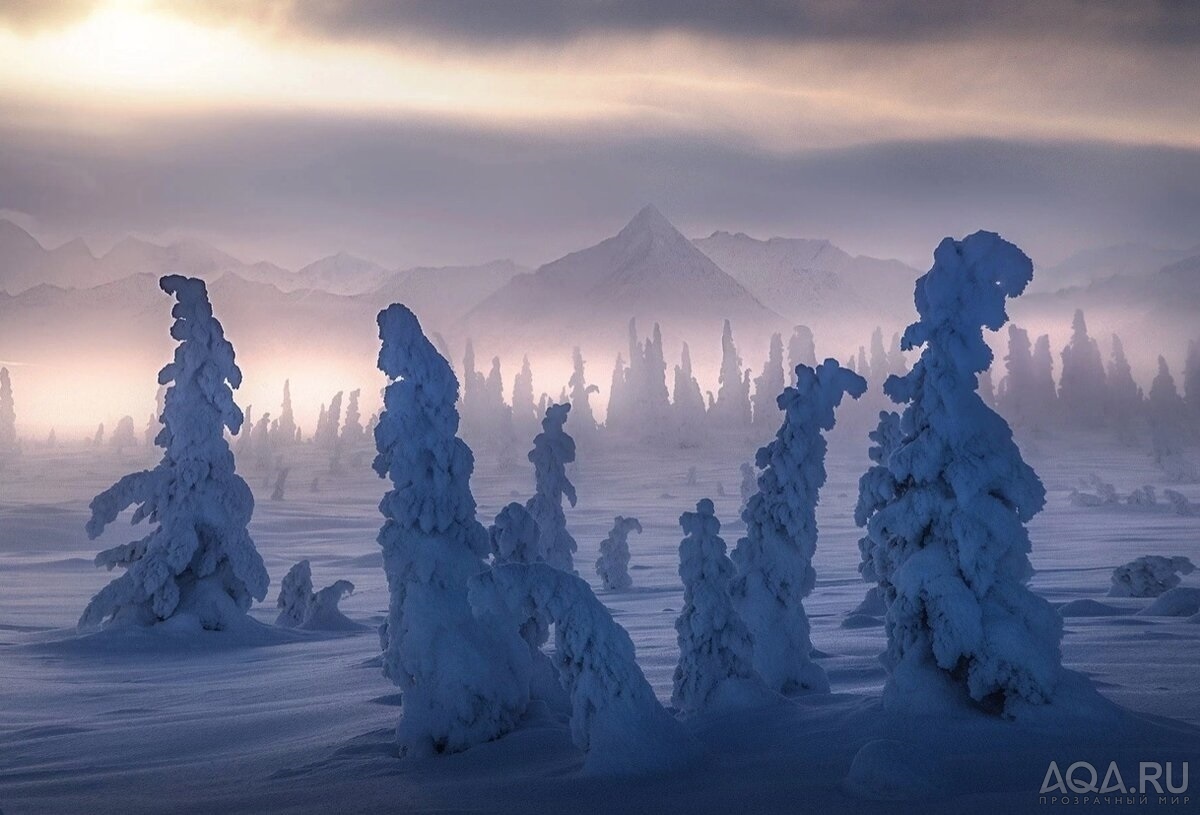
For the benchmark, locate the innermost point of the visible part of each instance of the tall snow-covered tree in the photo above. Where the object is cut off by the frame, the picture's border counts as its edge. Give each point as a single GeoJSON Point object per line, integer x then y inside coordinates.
{"type": "Point", "coordinates": [123, 435]}
{"type": "Point", "coordinates": [619, 415]}
{"type": "Point", "coordinates": [463, 681]}
{"type": "Point", "coordinates": [287, 418]}
{"type": "Point", "coordinates": [8, 417]}
{"type": "Point", "coordinates": [774, 560]}
{"type": "Point", "coordinates": [879, 358]}
{"type": "Point", "coordinates": [1016, 398]}
{"type": "Point", "coordinates": [688, 403]}
{"type": "Point", "coordinates": [581, 392]}
{"type": "Point", "coordinates": [716, 652]}
{"type": "Point", "coordinates": [524, 408]}
{"type": "Point", "coordinates": [1081, 391]}
{"type": "Point", "coordinates": [1191, 380]}
{"type": "Point", "coordinates": [768, 385]}
{"type": "Point", "coordinates": [1124, 395]}
{"type": "Point", "coordinates": [615, 717]}
{"type": "Point", "coordinates": [552, 451]}
{"type": "Point", "coordinates": [1167, 413]}
{"type": "Point", "coordinates": [1045, 394]}
{"type": "Point", "coordinates": [199, 561]}
{"type": "Point", "coordinates": [947, 539]}
{"type": "Point", "coordinates": [333, 421]}
{"type": "Point", "coordinates": [801, 349]}
{"type": "Point", "coordinates": [732, 406]}
{"type": "Point", "coordinates": [612, 567]}
{"type": "Point", "coordinates": [352, 429]}
{"type": "Point", "coordinates": [897, 364]}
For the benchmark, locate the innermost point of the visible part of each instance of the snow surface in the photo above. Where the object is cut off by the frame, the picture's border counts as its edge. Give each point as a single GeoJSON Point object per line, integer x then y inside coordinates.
{"type": "Point", "coordinates": [306, 724]}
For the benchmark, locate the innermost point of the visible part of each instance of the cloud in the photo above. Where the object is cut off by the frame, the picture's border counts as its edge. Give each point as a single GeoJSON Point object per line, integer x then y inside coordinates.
{"type": "Point", "coordinates": [1165, 22]}
{"type": "Point", "coordinates": [295, 187]}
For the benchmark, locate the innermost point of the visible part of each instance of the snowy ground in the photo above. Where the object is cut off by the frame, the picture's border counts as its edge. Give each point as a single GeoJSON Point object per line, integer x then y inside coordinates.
{"type": "Point", "coordinates": [304, 724]}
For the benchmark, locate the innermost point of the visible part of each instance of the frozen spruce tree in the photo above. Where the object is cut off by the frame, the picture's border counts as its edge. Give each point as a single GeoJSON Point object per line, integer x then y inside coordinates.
{"type": "Point", "coordinates": [1167, 414]}
{"type": "Point", "coordinates": [768, 385]}
{"type": "Point", "coordinates": [801, 348]}
{"type": "Point", "coordinates": [947, 536]}
{"type": "Point", "coordinates": [716, 653]}
{"type": "Point", "coordinates": [1016, 397]}
{"type": "Point", "coordinates": [463, 681]}
{"type": "Point", "coordinates": [732, 406]}
{"type": "Point", "coordinates": [552, 451]}
{"type": "Point", "coordinates": [287, 419]}
{"type": "Point", "coordinates": [352, 429]}
{"type": "Point", "coordinates": [615, 718]}
{"type": "Point", "coordinates": [301, 607]}
{"type": "Point", "coordinates": [876, 488]}
{"type": "Point", "coordinates": [688, 404]}
{"type": "Point", "coordinates": [1082, 389]}
{"type": "Point", "coordinates": [613, 564]}
{"type": "Point", "coordinates": [1045, 393]}
{"type": "Point", "coordinates": [199, 563]}
{"type": "Point", "coordinates": [581, 393]}
{"type": "Point", "coordinates": [1191, 380]}
{"type": "Point", "coordinates": [8, 417]}
{"type": "Point", "coordinates": [295, 594]}
{"type": "Point", "coordinates": [124, 435]}
{"type": "Point", "coordinates": [774, 560]}
{"type": "Point", "coordinates": [524, 409]}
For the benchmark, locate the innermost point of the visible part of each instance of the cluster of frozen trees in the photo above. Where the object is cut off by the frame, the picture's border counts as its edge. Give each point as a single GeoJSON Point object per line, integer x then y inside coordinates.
{"type": "Point", "coordinates": [1092, 392]}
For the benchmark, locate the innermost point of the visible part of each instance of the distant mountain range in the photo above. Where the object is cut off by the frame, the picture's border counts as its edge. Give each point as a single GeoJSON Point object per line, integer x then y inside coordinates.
{"type": "Point", "coordinates": [648, 271]}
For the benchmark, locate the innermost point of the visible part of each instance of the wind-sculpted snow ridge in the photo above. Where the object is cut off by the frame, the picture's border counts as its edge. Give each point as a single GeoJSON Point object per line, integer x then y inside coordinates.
{"type": "Point", "coordinates": [774, 560]}
{"type": "Point", "coordinates": [949, 547]}
{"type": "Point", "coordinates": [615, 717]}
{"type": "Point", "coordinates": [612, 566]}
{"type": "Point", "coordinates": [463, 682]}
{"type": "Point", "coordinates": [552, 451]}
{"type": "Point", "coordinates": [200, 560]}
{"type": "Point", "coordinates": [716, 652]}
{"type": "Point", "coordinates": [300, 607]}
{"type": "Point", "coordinates": [1149, 576]}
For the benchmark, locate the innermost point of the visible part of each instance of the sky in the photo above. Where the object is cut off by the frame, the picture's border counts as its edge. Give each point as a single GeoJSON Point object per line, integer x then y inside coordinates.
{"type": "Point", "coordinates": [458, 131]}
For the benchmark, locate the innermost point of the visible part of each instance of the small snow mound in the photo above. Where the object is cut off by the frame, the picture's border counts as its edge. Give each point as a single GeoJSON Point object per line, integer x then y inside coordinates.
{"type": "Point", "coordinates": [1088, 608]}
{"type": "Point", "coordinates": [888, 770]}
{"type": "Point", "coordinates": [1177, 602]}
{"type": "Point", "coordinates": [872, 605]}
{"type": "Point", "coordinates": [1149, 576]}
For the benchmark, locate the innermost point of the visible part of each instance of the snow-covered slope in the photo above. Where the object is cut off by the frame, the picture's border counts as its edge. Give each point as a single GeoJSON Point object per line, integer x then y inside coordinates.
{"type": "Point", "coordinates": [342, 273]}
{"type": "Point", "coordinates": [648, 270]}
{"type": "Point", "coordinates": [807, 280]}
{"type": "Point", "coordinates": [1093, 265]}
{"type": "Point", "coordinates": [442, 293]}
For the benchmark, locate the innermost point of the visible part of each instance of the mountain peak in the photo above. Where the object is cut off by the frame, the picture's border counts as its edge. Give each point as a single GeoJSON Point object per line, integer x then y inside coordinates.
{"type": "Point", "coordinates": [649, 219]}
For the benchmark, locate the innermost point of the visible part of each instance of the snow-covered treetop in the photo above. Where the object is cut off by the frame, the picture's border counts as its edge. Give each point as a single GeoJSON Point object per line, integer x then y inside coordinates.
{"type": "Point", "coordinates": [552, 450]}
{"type": "Point", "coordinates": [964, 293]}
{"type": "Point", "coordinates": [424, 391]}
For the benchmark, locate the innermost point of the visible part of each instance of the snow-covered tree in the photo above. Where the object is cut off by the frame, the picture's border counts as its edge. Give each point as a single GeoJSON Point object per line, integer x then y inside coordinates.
{"type": "Point", "coordinates": [333, 422]}
{"type": "Point", "coordinates": [1191, 380]}
{"type": "Point", "coordinates": [1124, 395]}
{"type": "Point", "coordinates": [514, 537]}
{"type": "Point", "coordinates": [877, 487]}
{"type": "Point", "coordinates": [1016, 397]}
{"type": "Point", "coordinates": [200, 560]}
{"type": "Point", "coordinates": [619, 416]}
{"type": "Point", "coordinates": [774, 560]}
{"type": "Point", "coordinates": [732, 406]}
{"type": "Point", "coordinates": [1166, 411]}
{"type": "Point", "coordinates": [123, 436]}
{"type": "Point", "coordinates": [688, 403]}
{"type": "Point", "coordinates": [615, 717]}
{"type": "Point", "coordinates": [612, 566]}
{"type": "Point", "coordinates": [949, 545]}
{"type": "Point", "coordinates": [463, 681]}
{"type": "Point", "coordinates": [352, 429]}
{"type": "Point", "coordinates": [524, 408]}
{"type": "Point", "coordinates": [1045, 394]}
{"type": "Point", "coordinates": [1149, 576]}
{"type": "Point", "coordinates": [1082, 389]}
{"type": "Point", "coordinates": [768, 385]}
{"type": "Point", "coordinates": [584, 419]}
{"type": "Point", "coordinates": [295, 594]}
{"type": "Point", "coordinates": [801, 349]}
{"type": "Point", "coordinates": [879, 358]}
{"type": "Point", "coordinates": [301, 607]}
{"type": "Point", "coordinates": [552, 451]}
{"type": "Point", "coordinates": [280, 484]}
{"type": "Point", "coordinates": [8, 417]}
{"type": "Point", "coordinates": [287, 419]}
{"type": "Point", "coordinates": [716, 652]}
